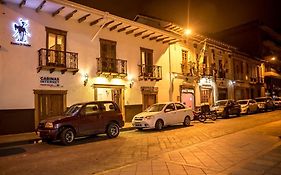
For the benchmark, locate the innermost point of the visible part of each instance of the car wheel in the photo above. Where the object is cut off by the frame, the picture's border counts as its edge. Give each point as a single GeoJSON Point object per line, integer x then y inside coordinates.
{"type": "Point", "coordinates": [112, 130]}
{"type": "Point", "coordinates": [186, 121]}
{"type": "Point", "coordinates": [159, 125]}
{"type": "Point", "coordinates": [248, 111]}
{"type": "Point", "coordinates": [67, 136]}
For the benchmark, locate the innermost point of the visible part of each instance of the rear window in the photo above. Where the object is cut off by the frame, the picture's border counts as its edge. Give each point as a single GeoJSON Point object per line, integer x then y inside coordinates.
{"type": "Point", "coordinates": [108, 107]}
{"type": "Point", "coordinates": [243, 102]}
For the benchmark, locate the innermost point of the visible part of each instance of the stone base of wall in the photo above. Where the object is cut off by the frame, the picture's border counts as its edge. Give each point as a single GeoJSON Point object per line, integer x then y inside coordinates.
{"type": "Point", "coordinates": [15, 121]}
{"type": "Point", "coordinates": [131, 111]}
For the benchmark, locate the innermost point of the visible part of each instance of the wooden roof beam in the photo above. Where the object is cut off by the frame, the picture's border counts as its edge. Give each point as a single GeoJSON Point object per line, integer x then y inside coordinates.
{"type": "Point", "coordinates": [115, 26]}
{"type": "Point", "coordinates": [40, 6]}
{"type": "Point", "coordinates": [169, 40]}
{"type": "Point", "coordinates": [155, 37]}
{"type": "Point", "coordinates": [95, 21]}
{"type": "Point", "coordinates": [131, 31]}
{"type": "Point", "coordinates": [83, 18]}
{"type": "Point", "coordinates": [68, 16]}
{"type": "Point", "coordinates": [148, 35]}
{"type": "Point", "coordinates": [58, 11]}
{"type": "Point", "coordinates": [140, 33]}
{"type": "Point", "coordinates": [124, 28]}
{"type": "Point", "coordinates": [22, 3]}
{"type": "Point", "coordinates": [106, 24]}
{"type": "Point", "coordinates": [161, 39]}
{"type": "Point", "coordinates": [167, 26]}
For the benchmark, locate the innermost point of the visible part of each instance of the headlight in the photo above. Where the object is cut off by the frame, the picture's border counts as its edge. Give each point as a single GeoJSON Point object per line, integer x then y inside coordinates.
{"type": "Point", "coordinates": [49, 125]}
{"type": "Point", "coordinates": [148, 117]}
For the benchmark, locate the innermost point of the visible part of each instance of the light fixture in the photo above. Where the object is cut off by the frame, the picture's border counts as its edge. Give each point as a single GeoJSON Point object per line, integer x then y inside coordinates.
{"type": "Point", "coordinates": [86, 78]}
{"type": "Point", "coordinates": [131, 83]}
{"type": "Point", "coordinates": [273, 58]}
{"type": "Point", "coordinates": [187, 32]}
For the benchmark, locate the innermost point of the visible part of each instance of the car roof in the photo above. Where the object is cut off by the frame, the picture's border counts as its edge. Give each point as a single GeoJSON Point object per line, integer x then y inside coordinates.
{"type": "Point", "coordinates": [83, 103]}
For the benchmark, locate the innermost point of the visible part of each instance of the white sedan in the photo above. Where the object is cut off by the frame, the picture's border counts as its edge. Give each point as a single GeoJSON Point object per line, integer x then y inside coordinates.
{"type": "Point", "coordinates": [163, 114]}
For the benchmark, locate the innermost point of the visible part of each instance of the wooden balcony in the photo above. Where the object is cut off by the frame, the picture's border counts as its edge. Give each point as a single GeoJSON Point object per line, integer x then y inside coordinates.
{"type": "Point", "coordinates": [150, 72]}
{"type": "Point", "coordinates": [55, 60]}
{"type": "Point", "coordinates": [113, 67]}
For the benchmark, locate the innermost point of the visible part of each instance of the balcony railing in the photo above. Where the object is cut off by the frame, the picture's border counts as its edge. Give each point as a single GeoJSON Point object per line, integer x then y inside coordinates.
{"type": "Point", "coordinates": [150, 72]}
{"type": "Point", "coordinates": [110, 66]}
{"type": "Point", "coordinates": [57, 60]}
{"type": "Point", "coordinates": [191, 70]}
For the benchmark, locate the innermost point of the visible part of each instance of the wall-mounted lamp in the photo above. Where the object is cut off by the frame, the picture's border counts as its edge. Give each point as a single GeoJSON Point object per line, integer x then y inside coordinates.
{"type": "Point", "coordinates": [86, 78]}
{"type": "Point", "coordinates": [131, 83]}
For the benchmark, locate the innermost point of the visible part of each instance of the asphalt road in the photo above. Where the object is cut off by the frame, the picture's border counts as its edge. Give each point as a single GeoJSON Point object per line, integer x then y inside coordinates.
{"type": "Point", "coordinates": [97, 154]}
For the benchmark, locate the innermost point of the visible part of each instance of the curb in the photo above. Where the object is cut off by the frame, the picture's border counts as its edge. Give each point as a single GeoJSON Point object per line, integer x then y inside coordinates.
{"type": "Point", "coordinates": [36, 140]}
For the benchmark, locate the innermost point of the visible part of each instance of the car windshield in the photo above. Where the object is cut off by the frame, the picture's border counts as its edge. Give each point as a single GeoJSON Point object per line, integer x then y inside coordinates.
{"type": "Point", "coordinates": [155, 108]}
{"type": "Point", "coordinates": [243, 102]}
{"type": "Point", "coordinates": [221, 103]}
{"type": "Point", "coordinates": [73, 109]}
{"type": "Point", "coordinates": [277, 99]}
{"type": "Point", "coordinates": [260, 99]}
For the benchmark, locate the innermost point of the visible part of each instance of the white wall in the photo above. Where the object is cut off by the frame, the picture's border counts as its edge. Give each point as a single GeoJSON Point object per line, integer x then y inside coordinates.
{"type": "Point", "coordinates": [19, 77]}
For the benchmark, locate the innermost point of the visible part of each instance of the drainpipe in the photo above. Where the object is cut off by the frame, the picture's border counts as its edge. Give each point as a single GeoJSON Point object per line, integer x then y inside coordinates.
{"type": "Point", "coordinates": [170, 76]}
{"type": "Point", "coordinates": [96, 34]}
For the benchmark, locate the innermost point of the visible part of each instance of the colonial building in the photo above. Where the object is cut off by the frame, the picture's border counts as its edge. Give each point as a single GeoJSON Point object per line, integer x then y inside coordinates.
{"type": "Point", "coordinates": [55, 53]}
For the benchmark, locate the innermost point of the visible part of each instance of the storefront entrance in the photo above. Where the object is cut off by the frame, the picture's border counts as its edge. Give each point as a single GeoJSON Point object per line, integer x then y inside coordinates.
{"type": "Point", "coordinates": [206, 95]}
{"type": "Point", "coordinates": [110, 92]}
{"type": "Point", "coordinates": [187, 97]}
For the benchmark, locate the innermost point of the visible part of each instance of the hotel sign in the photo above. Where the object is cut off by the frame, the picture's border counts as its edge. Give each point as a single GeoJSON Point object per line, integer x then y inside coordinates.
{"type": "Point", "coordinates": [50, 81]}
{"type": "Point", "coordinates": [21, 33]}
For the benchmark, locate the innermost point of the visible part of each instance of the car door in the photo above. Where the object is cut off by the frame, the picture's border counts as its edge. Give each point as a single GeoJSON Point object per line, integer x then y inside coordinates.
{"type": "Point", "coordinates": [108, 113]}
{"type": "Point", "coordinates": [89, 121]}
{"type": "Point", "coordinates": [181, 112]}
{"type": "Point", "coordinates": [169, 115]}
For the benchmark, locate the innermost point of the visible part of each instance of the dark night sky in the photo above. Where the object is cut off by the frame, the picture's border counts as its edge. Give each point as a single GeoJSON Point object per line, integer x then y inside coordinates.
{"type": "Point", "coordinates": [206, 16]}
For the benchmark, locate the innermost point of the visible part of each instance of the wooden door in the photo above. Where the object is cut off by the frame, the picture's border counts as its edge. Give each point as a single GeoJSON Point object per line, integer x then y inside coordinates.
{"type": "Point", "coordinates": [50, 105]}
{"type": "Point", "coordinates": [148, 100]}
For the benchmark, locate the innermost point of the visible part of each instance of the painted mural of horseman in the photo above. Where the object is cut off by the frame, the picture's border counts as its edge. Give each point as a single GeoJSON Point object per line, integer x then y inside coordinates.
{"type": "Point", "coordinates": [21, 32]}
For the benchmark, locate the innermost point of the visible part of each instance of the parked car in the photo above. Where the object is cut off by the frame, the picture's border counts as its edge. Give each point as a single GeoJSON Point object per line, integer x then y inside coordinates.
{"type": "Point", "coordinates": [83, 119]}
{"type": "Point", "coordinates": [163, 114]}
{"type": "Point", "coordinates": [277, 102]}
{"type": "Point", "coordinates": [265, 103]}
{"type": "Point", "coordinates": [248, 106]}
{"type": "Point", "coordinates": [225, 108]}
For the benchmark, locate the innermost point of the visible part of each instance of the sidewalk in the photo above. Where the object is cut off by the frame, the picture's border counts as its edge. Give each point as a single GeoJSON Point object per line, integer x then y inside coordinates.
{"type": "Point", "coordinates": [31, 137]}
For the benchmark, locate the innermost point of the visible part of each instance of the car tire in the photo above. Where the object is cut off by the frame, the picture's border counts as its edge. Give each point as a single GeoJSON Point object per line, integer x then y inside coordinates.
{"type": "Point", "coordinates": [186, 121]}
{"type": "Point", "coordinates": [112, 130]}
{"type": "Point", "coordinates": [67, 136]}
{"type": "Point", "coordinates": [159, 125]}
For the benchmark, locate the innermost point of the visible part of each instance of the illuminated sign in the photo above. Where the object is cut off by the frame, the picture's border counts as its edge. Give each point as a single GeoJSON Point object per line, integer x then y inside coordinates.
{"type": "Point", "coordinates": [21, 33]}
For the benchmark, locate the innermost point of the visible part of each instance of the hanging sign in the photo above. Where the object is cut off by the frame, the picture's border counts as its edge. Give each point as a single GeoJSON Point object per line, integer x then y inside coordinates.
{"type": "Point", "coordinates": [50, 81]}
{"type": "Point", "coordinates": [21, 33]}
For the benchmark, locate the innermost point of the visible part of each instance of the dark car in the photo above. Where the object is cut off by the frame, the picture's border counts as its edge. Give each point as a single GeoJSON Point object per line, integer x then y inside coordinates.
{"type": "Point", "coordinates": [225, 108]}
{"type": "Point", "coordinates": [277, 102]}
{"type": "Point", "coordinates": [83, 119]}
{"type": "Point", "coordinates": [265, 103]}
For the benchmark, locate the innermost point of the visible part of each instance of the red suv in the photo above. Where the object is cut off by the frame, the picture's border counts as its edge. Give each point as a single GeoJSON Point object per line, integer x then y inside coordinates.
{"type": "Point", "coordinates": [83, 119]}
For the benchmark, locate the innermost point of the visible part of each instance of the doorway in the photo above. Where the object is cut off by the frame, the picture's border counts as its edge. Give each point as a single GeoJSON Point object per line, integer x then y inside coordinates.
{"type": "Point", "coordinates": [110, 93]}
{"type": "Point", "coordinates": [188, 99]}
{"type": "Point", "coordinates": [148, 100]}
{"type": "Point", "coordinates": [49, 103]}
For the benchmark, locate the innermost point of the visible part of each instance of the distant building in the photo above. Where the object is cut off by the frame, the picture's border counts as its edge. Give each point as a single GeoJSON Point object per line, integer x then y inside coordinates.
{"type": "Point", "coordinates": [262, 42]}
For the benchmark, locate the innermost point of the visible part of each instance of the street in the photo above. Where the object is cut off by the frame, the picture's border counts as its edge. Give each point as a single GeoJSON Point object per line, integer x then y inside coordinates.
{"type": "Point", "coordinates": [224, 146]}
